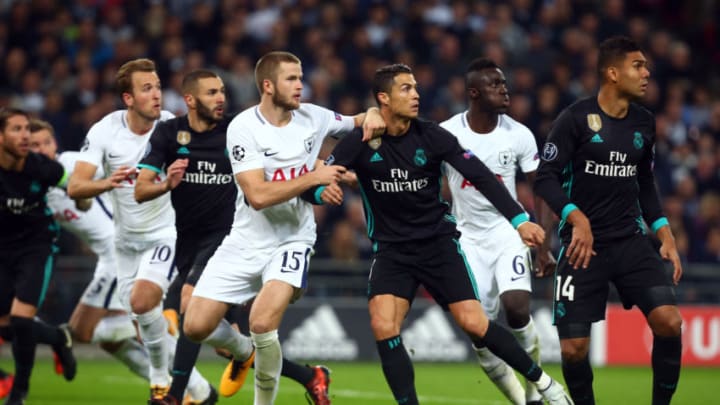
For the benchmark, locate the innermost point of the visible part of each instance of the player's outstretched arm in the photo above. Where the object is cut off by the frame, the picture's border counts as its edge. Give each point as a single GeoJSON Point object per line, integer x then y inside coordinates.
{"type": "Point", "coordinates": [82, 185]}
{"type": "Point", "coordinates": [147, 189]}
{"type": "Point", "coordinates": [668, 251]}
{"type": "Point", "coordinates": [372, 123]}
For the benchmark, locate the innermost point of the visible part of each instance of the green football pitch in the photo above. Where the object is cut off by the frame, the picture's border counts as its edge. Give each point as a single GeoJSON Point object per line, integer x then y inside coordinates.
{"type": "Point", "coordinates": [107, 382]}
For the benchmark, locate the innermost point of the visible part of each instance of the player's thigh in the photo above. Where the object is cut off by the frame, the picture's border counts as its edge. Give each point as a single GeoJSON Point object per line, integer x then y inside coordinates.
{"type": "Point", "coordinates": [289, 263]}
{"type": "Point", "coordinates": [580, 295]}
{"type": "Point", "coordinates": [391, 273]}
{"type": "Point", "coordinates": [102, 291]}
{"type": "Point", "coordinates": [640, 276]}
{"type": "Point", "coordinates": [34, 266]}
{"type": "Point", "coordinates": [444, 271]}
{"type": "Point", "coordinates": [84, 319]}
{"type": "Point", "coordinates": [202, 317]}
{"type": "Point", "coordinates": [270, 304]}
{"type": "Point", "coordinates": [233, 274]}
{"type": "Point", "coordinates": [482, 261]}
{"type": "Point", "coordinates": [387, 313]}
{"type": "Point", "coordinates": [157, 264]}
{"type": "Point", "coordinates": [128, 262]}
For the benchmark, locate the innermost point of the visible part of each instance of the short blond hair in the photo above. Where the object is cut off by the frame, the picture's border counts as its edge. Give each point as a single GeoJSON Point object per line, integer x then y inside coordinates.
{"type": "Point", "coordinates": [123, 78]}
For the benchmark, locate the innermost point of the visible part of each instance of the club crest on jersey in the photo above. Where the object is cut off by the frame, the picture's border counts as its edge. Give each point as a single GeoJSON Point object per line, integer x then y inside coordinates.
{"type": "Point", "coordinates": [638, 140]}
{"type": "Point", "coordinates": [550, 152]}
{"type": "Point", "coordinates": [85, 145]}
{"type": "Point", "coordinates": [505, 158]}
{"type": "Point", "coordinates": [594, 122]}
{"type": "Point", "coordinates": [420, 159]}
{"type": "Point", "coordinates": [309, 144]}
{"type": "Point", "coordinates": [375, 143]}
{"type": "Point", "coordinates": [183, 137]}
{"type": "Point", "coordinates": [238, 152]}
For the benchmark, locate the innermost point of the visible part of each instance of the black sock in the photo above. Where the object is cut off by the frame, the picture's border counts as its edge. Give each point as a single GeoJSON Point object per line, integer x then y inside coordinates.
{"type": "Point", "coordinates": [579, 379]}
{"type": "Point", "coordinates": [398, 370]}
{"type": "Point", "coordinates": [6, 333]}
{"type": "Point", "coordinates": [297, 372]}
{"type": "Point", "coordinates": [186, 354]}
{"type": "Point", "coordinates": [47, 334]}
{"type": "Point", "coordinates": [23, 348]}
{"type": "Point", "coordinates": [504, 345]}
{"type": "Point", "coordinates": [666, 367]}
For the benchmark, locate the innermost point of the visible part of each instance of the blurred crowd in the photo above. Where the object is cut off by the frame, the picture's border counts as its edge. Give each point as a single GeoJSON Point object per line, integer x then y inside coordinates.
{"type": "Point", "coordinates": [59, 59]}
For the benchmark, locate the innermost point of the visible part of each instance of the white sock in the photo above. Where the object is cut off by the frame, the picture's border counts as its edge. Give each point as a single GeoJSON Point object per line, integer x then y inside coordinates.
{"type": "Point", "coordinates": [530, 341]}
{"type": "Point", "coordinates": [543, 382]}
{"type": "Point", "coordinates": [113, 329]}
{"type": "Point", "coordinates": [134, 355]}
{"type": "Point", "coordinates": [502, 375]}
{"type": "Point", "coordinates": [153, 331]}
{"type": "Point", "coordinates": [225, 337]}
{"type": "Point", "coordinates": [268, 365]}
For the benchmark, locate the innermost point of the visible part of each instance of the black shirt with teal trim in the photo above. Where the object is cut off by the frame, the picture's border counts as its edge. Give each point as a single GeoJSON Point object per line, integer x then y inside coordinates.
{"type": "Point", "coordinates": [400, 180]}
{"type": "Point", "coordinates": [24, 215]}
{"type": "Point", "coordinates": [602, 165]}
{"type": "Point", "coordinates": [204, 201]}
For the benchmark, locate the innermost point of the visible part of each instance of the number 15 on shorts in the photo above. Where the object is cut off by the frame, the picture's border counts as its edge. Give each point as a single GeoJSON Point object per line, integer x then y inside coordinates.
{"type": "Point", "coordinates": [564, 288]}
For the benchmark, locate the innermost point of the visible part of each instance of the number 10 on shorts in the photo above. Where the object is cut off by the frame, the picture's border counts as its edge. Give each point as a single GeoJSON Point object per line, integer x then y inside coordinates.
{"type": "Point", "coordinates": [564, 288]}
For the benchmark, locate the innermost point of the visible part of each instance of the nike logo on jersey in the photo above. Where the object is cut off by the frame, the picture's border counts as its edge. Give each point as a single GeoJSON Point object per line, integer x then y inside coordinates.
{"type": "Point", "coordinates": [515, 278]}
{"type": "Point", "coordinates": [111, 156]}
{"type": "Point", "coordinates": [268, 153]}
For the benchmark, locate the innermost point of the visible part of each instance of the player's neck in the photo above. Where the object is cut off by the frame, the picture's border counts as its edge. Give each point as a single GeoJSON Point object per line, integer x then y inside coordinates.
{"type": "Point", "coordinates": [397, 126]}
{"type": "Point", "coordinates": [138, 124]}
{"type": "Point", "coordinates": [198, 124]}
{"type": "Point", "coordinates": [481, 122]}
{"type": "Point", "coordinates": [11, 163]}
{"type": "Point", "coordinates": [275, 115]}
{"type": "Point", "coordinates": [612, 103]}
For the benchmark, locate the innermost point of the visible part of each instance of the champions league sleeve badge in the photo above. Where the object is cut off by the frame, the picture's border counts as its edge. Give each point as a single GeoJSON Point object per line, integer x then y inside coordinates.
{"type": "Point", "coordinates": [238, 152]}
{"type": "Point", "coordinates": [183, 137]}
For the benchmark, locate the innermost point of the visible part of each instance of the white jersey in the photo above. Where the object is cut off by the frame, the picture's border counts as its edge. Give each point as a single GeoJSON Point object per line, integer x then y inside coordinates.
{"type": "Point", "coordinates": [509, 145]}
{"type": "Point", "coordinates": [284, 153]}
{"type": "Point", "coordinates": [94, 226]}
{"type": "Point", "coordinates": [111, 144]}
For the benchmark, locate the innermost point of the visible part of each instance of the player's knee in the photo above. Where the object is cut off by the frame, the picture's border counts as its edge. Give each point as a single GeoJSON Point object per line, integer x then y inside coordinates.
{"type": "Point", "coordinates": [573, 351]}
{"type": "Point", "coordinates": [195, 331]}
{"type": "Point", "coordinates": [668, 325]}
{"type": "Point", "coordinates": [80, 334]}
{"type": "Point", "coordinates": [383, 328]}
{"type": "Point", "coordinates": [517, 317]}
{"type": "Point", "coordinates": [258, 326]}
{"type": "Point", "coordinates": [111, 347]}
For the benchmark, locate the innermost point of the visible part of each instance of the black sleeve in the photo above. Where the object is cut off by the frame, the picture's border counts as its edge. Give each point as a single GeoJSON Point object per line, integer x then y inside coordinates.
{"type": "Point", "coordinates": [53, 172]}
{"type": "Point", "coordinates": [475, 171]}
{"type": "Point", "coordinates": [156, 159]}
{"type": "Point", "coordinates": [556, 154]}
{"type": "Point", "coordinates": [648, 195]}
{"type": "Point", "coordinates": [343, 154]}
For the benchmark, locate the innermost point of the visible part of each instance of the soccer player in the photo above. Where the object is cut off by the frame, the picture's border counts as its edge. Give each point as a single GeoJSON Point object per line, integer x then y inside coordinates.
{"type": "Point", "coordinates": [499, 259]}
{"type": "Point", "coordinates": [144, 233]}
{"type": "Point", "coordinates": [273, 147]}
{"type": "Point", "coordinates": [27, 250]}
{"type": "Point", "coordinates": [596, 175]}
{"type": "Point", "coordinates": [414, 235]}
{"type": "Point", "coordinates": [98, 317]}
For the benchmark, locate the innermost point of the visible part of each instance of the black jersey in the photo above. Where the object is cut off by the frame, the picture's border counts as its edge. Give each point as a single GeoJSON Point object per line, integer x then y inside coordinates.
{"type": "Point", "coordinates": [204, 201]}
{"type": "Point", "coordinates": [24, 215]}
{"type": "Point", "coordinates": [603, 165]}
{"type": "Point", "coordinates": [400, 179]}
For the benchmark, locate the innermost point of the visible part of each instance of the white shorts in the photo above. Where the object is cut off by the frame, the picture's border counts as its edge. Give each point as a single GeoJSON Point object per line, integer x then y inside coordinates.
{"type": "Point", "coordinates": [499, 263]}
{"type": "Point", "coordinates": [234, 274]}
{"type": "Point", "coordinates": [102, 291]}
{"type": "Point", "coordinates": [152, 261]}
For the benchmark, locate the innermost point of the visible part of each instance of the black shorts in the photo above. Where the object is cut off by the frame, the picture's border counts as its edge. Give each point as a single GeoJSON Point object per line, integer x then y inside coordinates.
{"type": "Point", "coordinates": [25, 274]}
{"type": "Point", "coordinates": [438, 264]}
{"type": "Point", "coordinates": [632, 265]}
{"type": "Point", "coordinates": [193, 253]}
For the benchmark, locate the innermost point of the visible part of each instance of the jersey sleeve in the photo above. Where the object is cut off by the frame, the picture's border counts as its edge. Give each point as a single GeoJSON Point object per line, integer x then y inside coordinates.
{"type": "Point", "coordinates": [245, 153]}
{"type": "Point", "coordinates": [648, 195]}
{"type": "Point", "coordinates": [332, 123]}
{"type": "Point", "coordinates": [53, 173]}
{"type": "Point", "coordinates": [556, 154]}
{"type": "Point", "coordinates": [475, 171]}
{"type": "Point", "coordinates": [157, 158]}
{"type": "Point", "coordinates": [93, 148]}
{"type": "Point", "coordinates": [527, 152]}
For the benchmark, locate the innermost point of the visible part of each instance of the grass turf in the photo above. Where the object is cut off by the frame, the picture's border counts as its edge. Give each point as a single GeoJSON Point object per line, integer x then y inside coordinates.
{"type": "Point", "coordinates": [105, 381]}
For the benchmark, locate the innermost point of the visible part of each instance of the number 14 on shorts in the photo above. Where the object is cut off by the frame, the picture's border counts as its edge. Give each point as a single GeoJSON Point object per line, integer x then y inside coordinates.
{"type": "Point", "coordinates": [564, 288]}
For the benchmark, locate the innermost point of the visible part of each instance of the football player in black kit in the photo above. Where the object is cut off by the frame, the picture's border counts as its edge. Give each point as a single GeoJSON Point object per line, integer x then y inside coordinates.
{"type": "Point", "coordinates": [27, 250]}
{"type": "Point", "coordinates": [414, 237]}
{"type": "Point", "coordinates": [596, 175]}
{"type": "Point", "coordinates": [192, 149]}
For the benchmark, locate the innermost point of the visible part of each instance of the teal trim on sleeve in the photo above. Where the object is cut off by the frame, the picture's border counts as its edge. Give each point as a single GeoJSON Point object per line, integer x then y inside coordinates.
{"type": "Point", "coordinates": [63, 180]}
{"type": "Point", "coordinates": [317, 195]}
{"type": "Point", "coordinates": [149, 167]}
{"type": "Point", "coordinates": [659, 223]}
{"type": "Point", "coordinates": [519, 219]}
{"type": "Point", "coordinates": [567, 210]}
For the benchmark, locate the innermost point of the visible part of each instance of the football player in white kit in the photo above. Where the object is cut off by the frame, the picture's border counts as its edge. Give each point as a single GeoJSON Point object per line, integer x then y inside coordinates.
{"type": "Point", "coordinates": [144, 233]}
{"type": "Point", "coordinates": [498, 257]}
{"type": "Point", "coordinates": [98, 317]}
{"type": "Point", "coordinates": [273, 148]}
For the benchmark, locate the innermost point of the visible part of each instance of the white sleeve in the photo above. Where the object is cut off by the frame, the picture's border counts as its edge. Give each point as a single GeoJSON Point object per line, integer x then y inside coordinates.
{"type": "Point", "coordinates": [528, 157]}
{"type": "Point", "coordinates": [244, 151]}
{"type": "Point", "coordinates": [332, 123]}
{"type": "Point", "coordinates": [93, 149]}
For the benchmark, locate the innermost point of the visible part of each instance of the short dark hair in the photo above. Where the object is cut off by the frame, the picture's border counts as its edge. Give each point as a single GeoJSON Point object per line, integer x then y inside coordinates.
{"type": "Point", "coordinates": [384, 76]}
{"type": "Point", "coordinates": [267, 67]}
{"type": "Point", "coordinates": [191, 79]}
{"type": "Point", "coordinates": [477, 65]}
{"type": "Point", "coordinates": [7, 112]}
{"type": "Point", "coordinates": [614, 49]}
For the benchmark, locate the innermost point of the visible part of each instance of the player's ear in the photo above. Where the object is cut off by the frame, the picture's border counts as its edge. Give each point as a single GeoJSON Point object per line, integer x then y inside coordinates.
{"type": "Point", "coordinates": [127, 99]}
{"type": "Point", "coordinates": [268, 87]}
{"type": "Point", "coordinates": [612, 74]}
{"type": "Point", "coordinates": [472, 92]}
{"type": "Point", "coordinates": [384, 98]}
{"type": "Point", "coordinates": [189, 100]}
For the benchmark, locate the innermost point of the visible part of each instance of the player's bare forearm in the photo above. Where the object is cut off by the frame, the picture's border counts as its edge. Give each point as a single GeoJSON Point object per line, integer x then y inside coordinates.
{"type": "Point", "coordinates": [82, 188]}
{"type": "Point", "coordinates": [580, 250]}
{"type": "Point", "coordinates": [669, 252]}
{"type": "Point", "coordinates": [372, 123]}
{"type": "Point", "coordinates": [146, 189]}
